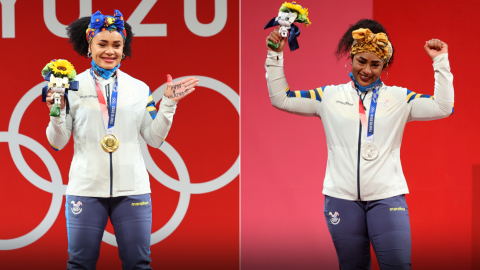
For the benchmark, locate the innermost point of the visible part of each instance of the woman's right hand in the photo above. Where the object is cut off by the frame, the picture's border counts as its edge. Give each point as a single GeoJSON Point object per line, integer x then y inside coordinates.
{"type": "Point", "coordinates": [276, 38]}
{"type": "Point", "coordinates": [50, 101]}
{"type": "Point", "coordinates": [435, 47]}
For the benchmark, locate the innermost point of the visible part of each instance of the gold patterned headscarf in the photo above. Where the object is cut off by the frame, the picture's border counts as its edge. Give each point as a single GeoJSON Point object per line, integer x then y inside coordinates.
{"type": "Point", "coordinates": [366, 41]}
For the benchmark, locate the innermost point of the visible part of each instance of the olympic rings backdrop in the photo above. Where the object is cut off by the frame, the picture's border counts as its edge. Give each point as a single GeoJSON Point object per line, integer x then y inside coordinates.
{"type": "Point", "coordinates": [284, 156]}
{"type": "Point", "coordinates": [194, 175]}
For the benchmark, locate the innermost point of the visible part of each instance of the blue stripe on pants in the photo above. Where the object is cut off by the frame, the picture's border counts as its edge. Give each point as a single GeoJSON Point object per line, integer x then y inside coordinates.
{"type": "Point", "coordinates": [87, 217]}
{"type": "Point", "coordinates": [68, 227]}
{"type": "Point", "coordinates": [385, 223]}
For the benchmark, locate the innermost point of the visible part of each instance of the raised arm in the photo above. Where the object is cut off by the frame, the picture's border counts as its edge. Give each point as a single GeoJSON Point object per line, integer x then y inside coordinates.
{"type": "Point", "coordinates": [440, 105]}
{"type": "Point", "coordinates": [305, 102]}
{"type": "Point", "coordinates": [155, 126]}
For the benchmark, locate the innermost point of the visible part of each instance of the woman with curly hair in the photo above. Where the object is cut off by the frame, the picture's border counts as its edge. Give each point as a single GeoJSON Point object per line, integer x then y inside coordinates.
{"type": "Point", "coordinates": [364, 185]}
{"type": "Point", "coordinates": [108, 177]}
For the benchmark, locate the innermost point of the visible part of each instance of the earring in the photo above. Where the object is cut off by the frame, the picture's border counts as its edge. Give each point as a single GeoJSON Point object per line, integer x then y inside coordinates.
{"type": "Point", "coordinates": [346, 67]}
{"type": "Point", "coordinates": [89, 55]}
{"type": "Point", "coordinates": [386, 77]}
{"type": "Point", "coordinates": [123, 56]}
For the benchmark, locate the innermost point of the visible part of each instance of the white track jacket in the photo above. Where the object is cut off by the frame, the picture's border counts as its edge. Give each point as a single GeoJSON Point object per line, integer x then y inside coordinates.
{"type": "Point", "coordinates": [93, 172]}
{"type": "Point", "coordinates": [348, 175]}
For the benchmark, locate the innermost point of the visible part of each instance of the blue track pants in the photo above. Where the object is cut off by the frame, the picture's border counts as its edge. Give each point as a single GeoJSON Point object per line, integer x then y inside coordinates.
{"type": "Point", "coordinates": [385, 223]}
{"type": "Point", "coordinates": [131, 217]}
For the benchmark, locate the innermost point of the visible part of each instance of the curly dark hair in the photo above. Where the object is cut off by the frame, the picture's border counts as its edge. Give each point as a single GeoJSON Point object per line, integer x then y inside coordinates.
{"type": "Point", "coordinates": [345, 43]}
{"type": "Point", "coordinates": [76, 32]}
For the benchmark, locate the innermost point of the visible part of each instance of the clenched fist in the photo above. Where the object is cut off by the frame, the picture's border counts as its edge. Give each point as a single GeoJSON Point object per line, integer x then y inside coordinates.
{"type": "Point", "coordinates": [435, 47]}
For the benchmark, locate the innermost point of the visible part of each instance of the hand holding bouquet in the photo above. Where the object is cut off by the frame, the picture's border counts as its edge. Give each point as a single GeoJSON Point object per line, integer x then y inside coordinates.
{"type": "Point", "coordinates": [287, 15]}
{"type": "Point", "coordinates": [59, 73]}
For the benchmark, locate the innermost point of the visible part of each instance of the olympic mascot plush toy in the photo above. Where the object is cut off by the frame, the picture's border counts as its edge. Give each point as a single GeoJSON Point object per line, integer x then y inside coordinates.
{"type": "Point", "coordinates": [287, 15]}
{"type": "Point", "coordinates": [61, 75]}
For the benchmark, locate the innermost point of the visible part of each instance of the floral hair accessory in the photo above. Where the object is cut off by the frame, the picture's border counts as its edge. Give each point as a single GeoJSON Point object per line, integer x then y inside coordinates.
{"type": "Point", "coordinates": [99, 22]}
{"type": "Point", "coordinates": [366, 41]}
{"type": "Point", "coordinates": [287, 15]}
{"type": "Point", "coordinates": [60, 75]}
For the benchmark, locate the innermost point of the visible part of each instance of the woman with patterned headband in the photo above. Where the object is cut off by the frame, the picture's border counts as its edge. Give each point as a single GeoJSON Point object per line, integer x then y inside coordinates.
{"type": "Point", "coordinates": [364, 185]}
{"type": "Point", "coordinates": [108, 177]}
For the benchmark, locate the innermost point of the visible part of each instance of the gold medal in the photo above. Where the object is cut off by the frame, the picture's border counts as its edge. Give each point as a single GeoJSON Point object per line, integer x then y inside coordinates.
{"type": "Point", "coordinates": [110, 143]}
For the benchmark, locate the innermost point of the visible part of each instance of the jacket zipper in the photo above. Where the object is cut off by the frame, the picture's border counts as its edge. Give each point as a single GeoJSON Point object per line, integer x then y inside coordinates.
{"type": "Point", "coordinates": [359, 148]}
{"type": "Point", "coordinates": [107, 94]}
{"type": "Point", "coordinates": [111, 175]}
{"type": "Point", "coordinates": [358, 162]}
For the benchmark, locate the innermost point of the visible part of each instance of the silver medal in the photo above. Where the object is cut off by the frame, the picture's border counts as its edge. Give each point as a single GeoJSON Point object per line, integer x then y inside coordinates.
{"type": "Point", "coordinates": [369, 151]}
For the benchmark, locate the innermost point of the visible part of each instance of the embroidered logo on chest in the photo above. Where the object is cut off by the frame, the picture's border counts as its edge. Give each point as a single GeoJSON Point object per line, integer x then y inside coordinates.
{"type": "Point", "coordinates": [385, 104]}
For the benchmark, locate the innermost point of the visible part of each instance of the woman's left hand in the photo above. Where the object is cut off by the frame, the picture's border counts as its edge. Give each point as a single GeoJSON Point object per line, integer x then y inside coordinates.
{"type": "Point", "coordinates": [435, 47]}
{"type": "Point", "coordinates": [177, 91]}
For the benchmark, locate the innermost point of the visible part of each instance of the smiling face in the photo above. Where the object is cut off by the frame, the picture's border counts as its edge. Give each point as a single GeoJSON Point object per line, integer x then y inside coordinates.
{"type": "Point", "coordinates": [366, 68]}
{"type": "Point", "coordinates": [107, 49]}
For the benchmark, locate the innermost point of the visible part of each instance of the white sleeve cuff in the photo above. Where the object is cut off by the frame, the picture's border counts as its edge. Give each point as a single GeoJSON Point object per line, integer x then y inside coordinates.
{"type": "Point", "coordinates": [57, 120]}
{"type": "Point", "coordinates": [440, 58]}
{"type": "Point", "coordinates": [274, 59]}
{"type": "Point", "coordinates": [168, 102]}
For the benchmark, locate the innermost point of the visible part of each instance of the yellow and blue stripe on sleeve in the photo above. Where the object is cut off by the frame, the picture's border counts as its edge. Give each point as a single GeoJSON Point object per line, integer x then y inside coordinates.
{"type": "Point", "coordinates": [51, 144]}
{"type": "Point", "coordinates": [412, 95]}
{"type": "Point", "coordinates": [151, 105]}
{"type": "Point", "coordinates": [316, 94]}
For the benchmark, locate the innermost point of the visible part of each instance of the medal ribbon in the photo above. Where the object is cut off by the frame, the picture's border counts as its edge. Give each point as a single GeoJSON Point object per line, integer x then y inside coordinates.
{"type": "Point", "coordinates": [108, 114]}
{"type": "Point", "coordinates": [368, 130]}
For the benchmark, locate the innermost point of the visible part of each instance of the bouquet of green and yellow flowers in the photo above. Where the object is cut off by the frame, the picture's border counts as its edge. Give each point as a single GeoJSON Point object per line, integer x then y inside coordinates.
{"type": "Point", "coordinates": [60, 74]}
